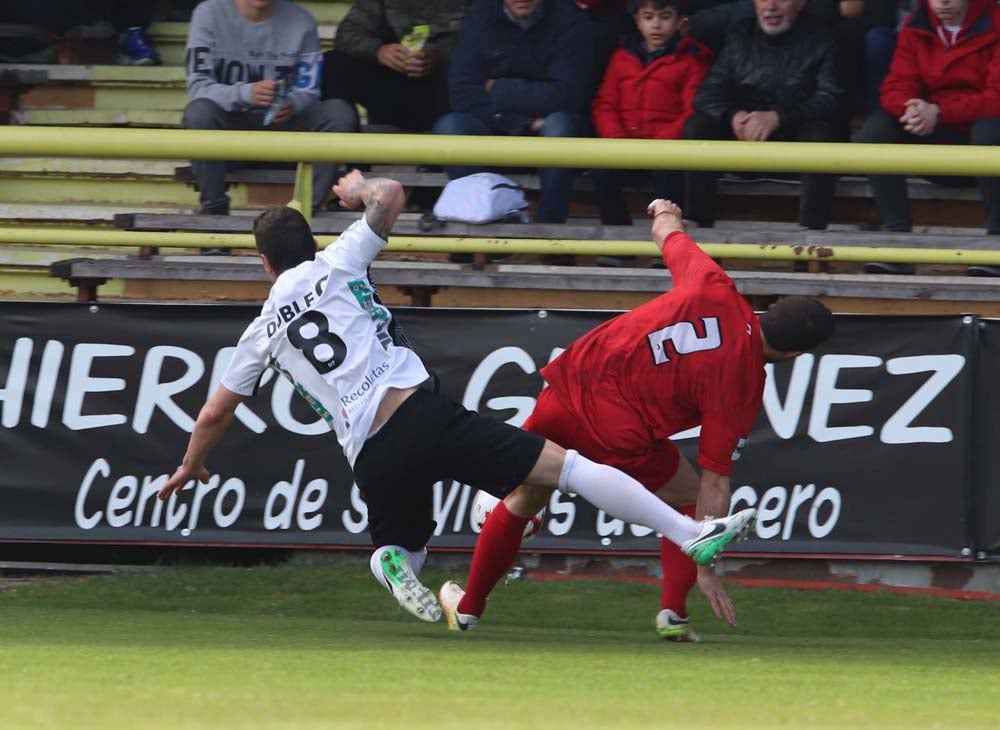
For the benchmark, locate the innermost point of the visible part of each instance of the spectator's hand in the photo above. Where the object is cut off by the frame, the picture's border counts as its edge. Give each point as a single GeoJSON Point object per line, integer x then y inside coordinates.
{"type": "Point", "coordinates": [348, 189]}
{"type": "Point", "coordinates": [718, 599]}
{"type": "Point", "coordinates": [920, 117]}
{"type": "Point", "coordinates": [285, 113]}
{"type": "Point", "coordinates": [536, 124]}
{"type": "Point", "coordinates": [262, 92]}
{"type": "Point", "coordinates": [851, 8]}
{"type": "Point", "coordinates": [422, 63]}
{"type": "Point", "coordinates": [394, 56]}
{"type": "Point", "coordinates": [739, 125]}
{"type": "Point", "coordinates": [489, 85]}
{"type": "Point", "coordinates": [760, 125]}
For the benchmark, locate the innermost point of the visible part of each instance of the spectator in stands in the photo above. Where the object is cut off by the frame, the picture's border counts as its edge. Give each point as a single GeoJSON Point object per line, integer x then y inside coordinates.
{"type": "Point", "coordinates": [128, 18]}
{"type": "Point", "coordinates": [648, 93]}
{"type": "Point", "coordinates": [851, 22]}
{"type": "Point", "coordinates": [609, 20]}
{"type": "Point", "coordinates": [523, 67]}
{"type": "Point", "coordinates": [711, 20]}
{"type": "Point", "coordinates": [943, 88]}
{"type": "Point", "coordinates": [391, 56]}
{"type": "Point", "coordinates": [236, 50]}
{"type": "Point", "coordinates": [774, 80]}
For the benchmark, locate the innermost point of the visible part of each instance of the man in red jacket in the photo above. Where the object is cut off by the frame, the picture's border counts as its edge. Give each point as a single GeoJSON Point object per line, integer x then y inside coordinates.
{"type": "Point", "coordinates": [648, 93]}
{"type": "Point", "coordinates": [943, 88]}
{"type": "Point", "coordinates": [693, 356]}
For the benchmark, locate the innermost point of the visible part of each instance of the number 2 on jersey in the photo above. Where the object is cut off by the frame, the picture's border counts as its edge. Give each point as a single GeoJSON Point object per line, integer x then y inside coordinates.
{"type": "Point", "coordinates": [324, 350]}
{"type": "Point", "coordinates": [685, 339]}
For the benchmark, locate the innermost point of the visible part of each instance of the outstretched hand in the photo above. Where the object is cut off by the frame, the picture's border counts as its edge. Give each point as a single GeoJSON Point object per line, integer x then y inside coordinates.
{"type": "Point", "coordinates": [348, 189]}
{"type": "Point", "coordinates": [182, 476]}
{"type": "Point", "coordinates": [718, 599]}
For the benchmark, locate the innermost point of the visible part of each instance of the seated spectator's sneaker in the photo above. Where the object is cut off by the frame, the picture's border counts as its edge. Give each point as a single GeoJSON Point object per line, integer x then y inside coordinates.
{"type": "Point", "coordinates": [559, 259]}
{"type": "Point", "coordinates": [217, 209]}
{"type": "Point", "coordinates": [878, 267]}
{"type": "Point", "coordinates": [616, 262]}
{"type": "Point", "coordinates": [136, 50]}
{"type": "Point", "coordinates": [983, 270]}
{"type": "Point", "coordinates": [27, 50]}
{"type": "Point", "coordinates": [461, 258]}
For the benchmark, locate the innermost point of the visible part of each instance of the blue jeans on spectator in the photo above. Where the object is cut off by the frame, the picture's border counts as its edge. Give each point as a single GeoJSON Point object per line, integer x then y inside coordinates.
{"type": "Point", "coordinates": [556, 182]}
{"type": "Point", "coordinates": [880, 43]}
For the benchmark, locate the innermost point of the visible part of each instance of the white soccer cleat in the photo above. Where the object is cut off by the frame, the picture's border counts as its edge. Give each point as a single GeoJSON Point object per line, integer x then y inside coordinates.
{"type": "Point", "coordinates": [674, 628]}
{"type": "Point", "coordinates": [716, 533]}
{"type": "Point", "coordinates": [449, 596]}
{"type": "Point", "coordinates": [405, 587]}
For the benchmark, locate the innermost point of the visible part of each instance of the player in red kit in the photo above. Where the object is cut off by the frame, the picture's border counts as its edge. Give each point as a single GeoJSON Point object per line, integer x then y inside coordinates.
{"type": "Point", "coordinates": [693, 356]}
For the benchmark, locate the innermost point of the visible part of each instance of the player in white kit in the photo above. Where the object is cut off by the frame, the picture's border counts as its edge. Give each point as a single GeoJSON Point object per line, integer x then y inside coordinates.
{"type": "Point", "coordinates": [323, 328]}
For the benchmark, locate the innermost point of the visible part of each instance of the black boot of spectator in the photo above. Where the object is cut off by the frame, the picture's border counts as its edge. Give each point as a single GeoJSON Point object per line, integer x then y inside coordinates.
{"type": "Point", "coordinates": [878, 267]}
{"type": "Point", "coordinates": [218, 209]}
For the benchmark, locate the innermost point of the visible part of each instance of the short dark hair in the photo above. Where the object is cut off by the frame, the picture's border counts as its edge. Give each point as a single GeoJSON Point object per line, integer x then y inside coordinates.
{"type": "Point", "coordinates": [797, 324]}
{"type": "Point", "coordinates": [283, 235]}
{"type": "Point", "coordinates": [683, 7]}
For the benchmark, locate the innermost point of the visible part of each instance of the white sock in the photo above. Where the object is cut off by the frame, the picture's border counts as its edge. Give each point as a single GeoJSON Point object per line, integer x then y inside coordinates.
{"type": "Point", "coordinates": [623, 497]}
{"type": "Point", "coordinates": [416, 561]}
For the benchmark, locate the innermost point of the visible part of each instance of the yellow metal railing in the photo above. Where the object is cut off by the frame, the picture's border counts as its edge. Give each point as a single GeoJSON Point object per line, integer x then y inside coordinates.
{"type": "Point", "coordinates": [642, 154]}
{"type": "Point", "coordinates": [307, 148]}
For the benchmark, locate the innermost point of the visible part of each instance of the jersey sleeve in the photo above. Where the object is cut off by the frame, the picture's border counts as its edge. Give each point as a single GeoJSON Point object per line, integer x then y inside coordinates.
{"type": "Point", "coordinates": [355, 248]}
{"type": "Point", "coordinates": [246, 365]}
{"type": "Point", "coordinates": [722, 439]}
{"type": "Point", "coordinates": [688, 264]}
{"type": "Point", "coordinates": [726, 423]}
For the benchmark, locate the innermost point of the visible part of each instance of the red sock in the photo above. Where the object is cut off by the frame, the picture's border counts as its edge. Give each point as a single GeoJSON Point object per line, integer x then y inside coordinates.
{"type": "Point", "coordinates": [679, 572]}
{"type": "Point", "coordinates": [496, 549]}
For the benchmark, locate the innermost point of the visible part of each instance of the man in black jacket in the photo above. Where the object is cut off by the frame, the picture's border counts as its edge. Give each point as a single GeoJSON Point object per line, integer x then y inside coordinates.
{"type": "Point", "coordinates": [774, 80]}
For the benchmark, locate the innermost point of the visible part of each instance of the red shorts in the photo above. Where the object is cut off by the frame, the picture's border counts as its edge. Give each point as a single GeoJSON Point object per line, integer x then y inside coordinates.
{"type": "Point", "coordinates": [653, 467]}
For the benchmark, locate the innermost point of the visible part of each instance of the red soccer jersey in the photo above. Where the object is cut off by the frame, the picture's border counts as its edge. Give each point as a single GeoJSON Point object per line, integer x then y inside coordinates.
{"type": "Point", "coordinates": [691, 356]}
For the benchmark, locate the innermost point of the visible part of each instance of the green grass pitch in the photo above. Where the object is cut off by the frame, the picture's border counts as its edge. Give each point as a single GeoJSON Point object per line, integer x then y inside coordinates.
{"type": "Point", "coordinates": [325, 647]}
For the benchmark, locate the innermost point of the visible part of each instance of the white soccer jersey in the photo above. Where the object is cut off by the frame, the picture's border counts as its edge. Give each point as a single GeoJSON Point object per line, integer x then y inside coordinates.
{"type": "Point", "coordinates": [322, 329]}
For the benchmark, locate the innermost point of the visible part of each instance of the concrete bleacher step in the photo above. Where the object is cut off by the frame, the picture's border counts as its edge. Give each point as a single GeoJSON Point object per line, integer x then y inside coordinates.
{"type": "Point", "coordinates": [106, 87]}
{"type": "Point", "coordinates": [38, 187]}
{"type": "Point", "coordinates": [76, 95]}
{"type": "Point", "coordinates": [98, 117]}
{"type": "Point", "coordinates": [35, 213]}
{"type": "Point", "coordinates": [730, 186]}
{"type": "Point", "coordinates": [410, 224]}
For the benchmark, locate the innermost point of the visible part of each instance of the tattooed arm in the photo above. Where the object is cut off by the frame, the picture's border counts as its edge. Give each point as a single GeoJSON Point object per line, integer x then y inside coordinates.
{"type": "Point", "coordinates": [383, 199]}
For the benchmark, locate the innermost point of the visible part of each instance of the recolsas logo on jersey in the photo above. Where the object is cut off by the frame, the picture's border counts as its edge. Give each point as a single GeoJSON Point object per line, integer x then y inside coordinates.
{"type": "Point", "coordinates": [353, 400]}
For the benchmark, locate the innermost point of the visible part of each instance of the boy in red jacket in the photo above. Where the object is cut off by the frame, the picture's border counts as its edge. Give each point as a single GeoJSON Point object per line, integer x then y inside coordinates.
{"type": "Point", "coordinates": [647, 93]}
{"type": "Point", "coordinates": [943, 88]}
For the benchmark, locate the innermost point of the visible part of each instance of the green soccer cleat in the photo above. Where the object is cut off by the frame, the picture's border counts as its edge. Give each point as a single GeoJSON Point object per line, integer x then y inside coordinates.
{"type": "Point", "coordinates": [674, 628]}
{"type": "Point", "coordinates": [716, 533]}
{"type": "Point", "coordinates": [409, 592]}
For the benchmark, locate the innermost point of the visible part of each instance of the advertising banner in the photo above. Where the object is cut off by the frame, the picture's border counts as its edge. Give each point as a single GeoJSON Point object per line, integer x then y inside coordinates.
{"type": "Point", "coordinates": [862, 447]}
